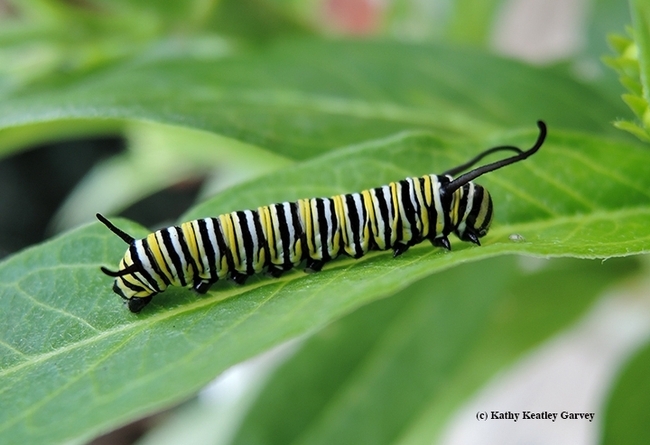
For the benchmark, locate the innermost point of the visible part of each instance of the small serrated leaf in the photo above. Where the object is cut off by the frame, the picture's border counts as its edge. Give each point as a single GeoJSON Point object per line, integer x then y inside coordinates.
{"type": "Point", "coordinates": [636, 103]}
{"type": "Point", "coordinates": [633, 128]}
{"type": "Point", "coordinates": [633, 85]}
{"type": "Point", "coordinates": [619, 43]}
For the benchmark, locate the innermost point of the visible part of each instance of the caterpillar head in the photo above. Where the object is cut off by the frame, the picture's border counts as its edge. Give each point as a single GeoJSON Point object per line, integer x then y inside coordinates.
{"type": "Point", "coordinates": [478, 214]}
{"type": "Point", "coordinates": [130, 279]}
{"type": "Point", "coordinates": [475, 206]}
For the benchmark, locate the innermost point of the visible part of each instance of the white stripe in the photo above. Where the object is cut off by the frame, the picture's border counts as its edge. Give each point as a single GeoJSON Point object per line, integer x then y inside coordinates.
{"type": "Point", "coordinates": [202, 256]}
{"type": "Point", "coordinates": [468, 209]}
{"type": "Point", "coordinates": [240, 243]}
{"type": "Point", "coordinates": [173, 234]}
{"type": "Point", "coordinates": [257, 251]}
{"type": "Point", "coordinates": [414, 182]}
{"type": "Point", "coordinates": [286, 209]}
{"type": "Point", "coordinates": [407, 234]}
{"type": "Point", "coordinates": [147, 266]}
{"type": "Point", "coordinates": [212, 236]}
{"type": "Point", "coordinates": [327, 205]}
{"type": "Point", "coordinates": [440, 214]}
{"type": "Point", "coordinates": [250, 222]}
{"type": "Point", "coordinates": [363, 221]}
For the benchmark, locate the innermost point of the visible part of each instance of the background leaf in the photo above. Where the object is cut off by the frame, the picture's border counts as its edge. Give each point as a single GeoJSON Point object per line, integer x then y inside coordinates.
{"type": "Point", "coordinates": [294, 99]}
{"type": "Point", "coordinates": [627, 415]}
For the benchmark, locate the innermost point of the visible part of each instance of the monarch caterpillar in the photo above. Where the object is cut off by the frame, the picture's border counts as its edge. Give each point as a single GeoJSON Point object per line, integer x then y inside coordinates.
{"type": "Point", "coordinates": [278, 237]}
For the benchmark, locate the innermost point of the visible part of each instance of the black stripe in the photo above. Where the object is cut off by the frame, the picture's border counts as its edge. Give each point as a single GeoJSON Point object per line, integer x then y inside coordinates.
{"type": "Point", "coordinates": [409, 212]}
{"type": "Point", "coordinates": [141, 269]}
{"type": "Point", "coordinates": [173, 254]}
{"type": "Point", "coordinates": [425, 208]}
{"type": "Point", "coordinates": [164, 259]}
{"type": "Point", "coordinates": [262, 244]}
{"type": "Point", "coordinates": [233, 251]}
{"type": "Point", "coordinates": [383, 214]}
{"type": "Point", "coordinates": [464, 202]}
{"type": "Point", "coordinates": [247, 241]}
{"type": "Point", "coordinates": [334, 225]}
{"type": "Point", "coordinates": [209, 250]}
{"type": "Point", "coordinates": [298, 232]}
{"type": "Point", "coordinates": [372, 244]}
{"type": "Point", "coordinates": [154, 263]}
{"type": "Point", "coordinates": [476, 205]}
{"type": "Point", "coordinates": [433, 213]}
{"type": "Point", "coordinates": [446, 201]}
{"type": "Point", "coordinates": [488, 215]}
{"type": "Point", "coordinates": [269, 239]}
{"type": "Point", "coordinates": [284, 234]}
{"type": "Point", "coordinates": [189, 259]}
{"type": "Point", "coordinates": [356, 225]}
{"type": "Point", "coordinates": [418, 232]}
{"type": "Point", "coordinates": [322, 227]}
{"type": "Point", "coordinates": [221, 245]}
{"type": "Point", "coordinates": [131, 286]}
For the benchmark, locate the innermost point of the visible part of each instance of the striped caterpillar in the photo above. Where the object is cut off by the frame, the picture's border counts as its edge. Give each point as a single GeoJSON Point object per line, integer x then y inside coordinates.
{"type": "Point", "coordinates": [278, 237]}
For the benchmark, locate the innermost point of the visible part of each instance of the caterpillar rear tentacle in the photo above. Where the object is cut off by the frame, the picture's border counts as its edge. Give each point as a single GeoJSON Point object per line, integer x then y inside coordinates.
{"type": "Point", "coordinates": [278, 237]}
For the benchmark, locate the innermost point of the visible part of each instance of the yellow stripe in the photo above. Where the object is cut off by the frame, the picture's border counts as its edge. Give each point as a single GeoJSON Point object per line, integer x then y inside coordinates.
{"type": "Point", "coordinates": [228, 227]}
{"type": "Point", "coordinates": [335, 244]}
{"type": "Point", "coordinates": [480, 218]}
{"type": "Point", "coordinates": [427, 190]}
{"type": "Point", "coordinates": [277, 236]}
{"type": "Point", "coordinates": [305, 212]}
{"type": "Point", "coordinates": [265, 218]}
{"type": "Point", "coordinates": [396, 207]}
{"type": "Point", "coordinates": [154, 246]}
{"type": "Point", "coordinates": [440, 215]}
{"type": "Point", "coordinates": [313, 209]}
{"type": "Point", "coordinates": [457, 197]}
{"type": "Point", "coordinates": [397, 214]}
{"type": "Point", "coordinates": [340, 210]}
{"type": "Point", "coordinates": [132, 279]}
{"type": "Point", "coordinates": [295, 251]}
{"type": "Point", "coordinates": [370, 208]}
{"type": "Point", "coordinates": [424, 215]}
{"type": "Point", "coordinates": [126, 261]}
{"type": "Point", "coordinates": [190, 240]}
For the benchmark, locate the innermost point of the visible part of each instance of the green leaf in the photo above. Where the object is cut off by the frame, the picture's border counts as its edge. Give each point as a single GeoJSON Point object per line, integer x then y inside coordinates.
{"type": "Point", "coordinates": [294, 98]}
{"type": "Point", "coordinates": [395, 370]}
{"type": "Point", "coordinates": [628, 416]}
{"type": "Point", "coordinates": [579, 196]}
